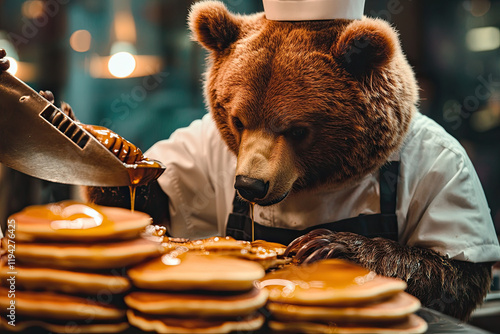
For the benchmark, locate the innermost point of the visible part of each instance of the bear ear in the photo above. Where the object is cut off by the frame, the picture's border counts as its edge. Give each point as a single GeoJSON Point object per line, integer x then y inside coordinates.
{"type": "Point", "coordinates": [366, 46]}
{"type": "Point", "coordinates": [213, 26]}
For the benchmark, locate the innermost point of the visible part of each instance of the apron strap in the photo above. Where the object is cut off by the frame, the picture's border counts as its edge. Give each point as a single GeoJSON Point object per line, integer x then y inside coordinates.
{"type": "Point", "coordinates": [388, 181]}
{"type": "Point", "coordinates": [240, 227]}
{"type": "Point", "coordinates": [240, 206]}
{"type": "Point", "coordinates": [383, 225]}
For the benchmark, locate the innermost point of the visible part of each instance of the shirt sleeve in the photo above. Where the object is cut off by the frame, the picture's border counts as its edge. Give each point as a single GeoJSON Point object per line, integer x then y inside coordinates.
{"type": "Point", "coordinates": [189, 155]}
{"type": "Point", "coordinates": [446, 209]}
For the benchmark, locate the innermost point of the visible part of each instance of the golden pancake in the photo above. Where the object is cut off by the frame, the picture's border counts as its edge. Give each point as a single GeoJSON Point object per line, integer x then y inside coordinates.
{"type": "Point", "coordinates": [267, 259]}
{"type": "Point", "coordinates": [193, 271]}
{"type": "Point", "coordinates": [68, 327]}
{"type": "Point", "coordinates": [209, 244]}
{"type": "Point", "coordinates": [188, 325]}
{"type": "Point", "coordinates": [71, 282]}
{"type": "Point", "coordinates": [395, 308]}
{"type": "Point", "coordinates": [216, 244]}
{"type": "Point", "coordinates": [197, 305]}
{"type": "Point", "coordinates": [413, 324]}
{"type": "Point", "coordinates": [270, 246]}
{"type": "Point", "coordinates": [328, 282]}
{"type": "Point", "coordinates": [75, 221]}
{"type": "Point", "coordinates": [266, 254]}
{"type": "Point", "coordinates": [86, 256]}
{"type": "Point", "coordinates": [48, 305]}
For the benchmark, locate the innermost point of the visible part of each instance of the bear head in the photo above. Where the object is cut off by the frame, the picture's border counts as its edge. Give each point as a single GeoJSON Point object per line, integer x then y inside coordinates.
{"type": "Point", "coordinates": [303, 104]}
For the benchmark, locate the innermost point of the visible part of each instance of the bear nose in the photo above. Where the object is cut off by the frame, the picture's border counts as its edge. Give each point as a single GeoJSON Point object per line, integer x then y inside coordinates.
{"type": "Point", "coordinates": [250, 188]}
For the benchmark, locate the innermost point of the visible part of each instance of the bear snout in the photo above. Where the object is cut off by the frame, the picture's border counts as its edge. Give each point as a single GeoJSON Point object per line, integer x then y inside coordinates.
{"type": "Point", "coordinates": [251, 189]}
{"type": "Point", "coordinates": [265, 171]}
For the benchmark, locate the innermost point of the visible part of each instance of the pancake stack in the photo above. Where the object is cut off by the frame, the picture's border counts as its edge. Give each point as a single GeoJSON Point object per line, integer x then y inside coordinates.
{"type": "Point", "coordinates": [335, 296]}
{"type": "Point", "coordinates": [69, 267]}
{"type": "Point", "coordinates": [186, 291]}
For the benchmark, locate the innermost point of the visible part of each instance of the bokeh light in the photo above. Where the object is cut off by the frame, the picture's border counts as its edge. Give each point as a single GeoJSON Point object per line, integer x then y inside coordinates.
{"type": "Point", "coordinates": [13, 66]}
{"type": "Point", "coordinates": [80, 40]}
{"type": "Point", "coordinates": [121, 64]}
{"type": "Point", "coordinates": [483, 39]}
{"type": "Point", "coordinates": [478, 8]}
{"type": "Point", "coordinates": [33, 9]}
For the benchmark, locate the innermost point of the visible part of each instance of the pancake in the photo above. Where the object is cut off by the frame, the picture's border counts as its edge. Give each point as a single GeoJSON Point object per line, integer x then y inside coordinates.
{"type": "Point", "coordinates": [86, 256]}
{"type": "Point", "coordinates": [192, 271]}
{"type": "Point", "coordinates": [269, 246]}
{"type": "Point", "coordinates": [215, 244]}
{"type": "Point", "coordinates": [262, 252]}
{"type": "Point", "coordinates": [188, 325]}
{"type": "Point", "coordinates": [209, 244]}
{"type": "Point", "coordinates": [66, 327]}
{"type": "Point", "coordinates": [78, 222]}
{"type": "Point", "coordinates": [413, 324]}
{"type": "Point", "coordinates": [329, 283]}
{"type": "Point", "coordinates": [48, 305]}
{"type": "Point", "coordinates": [395, 308]}
{"type": "Point", "coordinates": [197, 305]}
{"type": "Point", "coordinates": [71, 282]}
{"type": "Point", "coordinates": [267, 259]}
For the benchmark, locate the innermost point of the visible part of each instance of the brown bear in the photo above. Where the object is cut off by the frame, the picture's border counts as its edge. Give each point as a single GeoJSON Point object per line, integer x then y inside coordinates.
{"type": "Point", "coordinates": [313, 108]}
{"type": "Point", "coordinates": [317, 123]}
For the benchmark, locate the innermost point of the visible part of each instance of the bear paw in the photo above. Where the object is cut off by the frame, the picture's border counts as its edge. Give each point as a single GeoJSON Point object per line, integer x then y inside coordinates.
{"type": "Point", "coordinates": [322, 244]}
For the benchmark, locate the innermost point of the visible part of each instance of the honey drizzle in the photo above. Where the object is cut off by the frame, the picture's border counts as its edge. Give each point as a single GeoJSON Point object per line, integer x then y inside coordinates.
{"type": "Point", "coordinates": [252, 205]}
{"type": "Point", "coordinates": [132, 189]}
{"type": "Point", "coordinates": [140, 173]}
{"type": "Point", "coordinates": [140, 169]}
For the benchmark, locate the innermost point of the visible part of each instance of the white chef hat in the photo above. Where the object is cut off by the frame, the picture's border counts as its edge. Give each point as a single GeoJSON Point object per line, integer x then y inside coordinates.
{"type": "Point", "coordinates": [309, 10]}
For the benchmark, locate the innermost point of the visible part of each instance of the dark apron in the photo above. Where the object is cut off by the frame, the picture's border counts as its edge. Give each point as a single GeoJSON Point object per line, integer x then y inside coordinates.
{"type": "Point", "coordinates": [383, 224]}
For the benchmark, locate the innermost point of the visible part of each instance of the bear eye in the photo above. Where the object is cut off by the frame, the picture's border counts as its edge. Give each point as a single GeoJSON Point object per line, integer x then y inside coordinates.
{"type": "Point", "coordinates": [298, 133]}
{"type": "Point", "coordinates": [238, 124]}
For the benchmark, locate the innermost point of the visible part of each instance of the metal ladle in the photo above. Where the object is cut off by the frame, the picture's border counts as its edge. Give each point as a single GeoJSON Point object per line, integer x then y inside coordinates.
{"type": "Point", "coordinates": [38, 139]}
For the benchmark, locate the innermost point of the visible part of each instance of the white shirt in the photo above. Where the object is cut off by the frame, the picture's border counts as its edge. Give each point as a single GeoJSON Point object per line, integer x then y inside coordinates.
{"type": "Point", "coordinates": [440, 204]}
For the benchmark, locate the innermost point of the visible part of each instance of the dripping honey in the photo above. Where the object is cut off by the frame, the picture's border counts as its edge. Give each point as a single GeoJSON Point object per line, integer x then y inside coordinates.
{"type": "Point", "coordinates": [132, 189]}
{"type": "Point", "coordinates": [142, 172]}
{"type": "Point", "coordinates": [140, 169]}
{"type": "Point", "coordinates": [252, 205]}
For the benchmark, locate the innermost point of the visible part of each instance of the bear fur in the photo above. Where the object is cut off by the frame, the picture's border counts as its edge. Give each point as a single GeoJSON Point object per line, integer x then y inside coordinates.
{"type": "Point", "coordinates": [350, 124]}
{"type": "Point", "coordinates": [308, 104]}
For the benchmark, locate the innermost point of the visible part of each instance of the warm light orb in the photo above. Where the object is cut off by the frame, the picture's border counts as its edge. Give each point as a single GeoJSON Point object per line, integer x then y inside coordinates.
{"type": "Point", "coordinates": [483, 39]}
{"type": "Point", "coordinates": [33, 9]}
{"type": "Point", "coordinates": [13, 66]}
{"type": "Point", "coordinates": [121, 64]}
{"type": "Point", "coordinates": [80, 40]}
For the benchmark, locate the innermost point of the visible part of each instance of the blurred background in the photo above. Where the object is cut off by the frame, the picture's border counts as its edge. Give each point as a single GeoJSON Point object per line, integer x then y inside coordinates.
{"type": "Point", "coordinates": [129, 65]}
